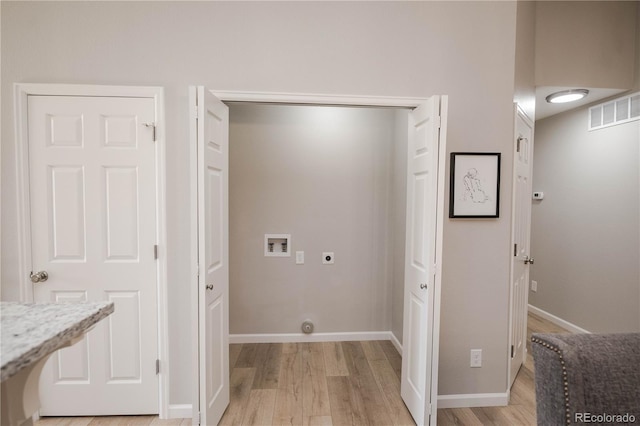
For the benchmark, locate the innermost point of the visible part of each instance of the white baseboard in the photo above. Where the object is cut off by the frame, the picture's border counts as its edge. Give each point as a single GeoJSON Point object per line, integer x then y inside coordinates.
{"type": "Point", "coordinates": [314, 337]}
{"type": "Point", "coordinates": [557, 321]}
{"type": "Point", "coordinates": [474, 400]}
{"type": "Point", "coordinates": [396, 343]}
{"type": "Point", "coordinates": [180, 411]}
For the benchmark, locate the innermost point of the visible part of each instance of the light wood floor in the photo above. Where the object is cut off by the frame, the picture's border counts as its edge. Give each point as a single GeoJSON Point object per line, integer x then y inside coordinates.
{"type": "Point", "coordinates": [316, 384]}
{"type": "Point", "coordinates": [111, 421]}
{"type": "Point", "coordinates": [347, 383]}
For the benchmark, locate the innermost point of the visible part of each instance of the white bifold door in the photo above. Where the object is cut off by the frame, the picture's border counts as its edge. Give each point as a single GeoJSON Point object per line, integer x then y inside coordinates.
{"type": "Point", "coordinates": [425, 188]}
{"type": "Point", "coordinates": [210, 136]}
{"type": "Point", "coordinates": [92, 185]}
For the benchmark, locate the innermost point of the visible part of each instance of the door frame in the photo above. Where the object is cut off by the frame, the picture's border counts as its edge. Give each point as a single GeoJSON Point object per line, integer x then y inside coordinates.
{"type": "Point", "coordinates": [310, 99]}
{"type": "Point", "coordinates": [518, 112]}
{"type": "Point", "coordinates": [21, 93]}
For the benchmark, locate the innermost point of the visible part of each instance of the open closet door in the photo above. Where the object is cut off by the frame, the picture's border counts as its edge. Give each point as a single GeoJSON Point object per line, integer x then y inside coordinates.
{"type": "Point", "coordinates": [210, 129]}
{"type": "Point", "coordinates": [425, 189]}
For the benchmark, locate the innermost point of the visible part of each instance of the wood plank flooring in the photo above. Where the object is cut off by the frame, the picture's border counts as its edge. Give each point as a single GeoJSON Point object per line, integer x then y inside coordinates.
{"type": "Point", "coordinates": [334, 383]}
{"type": "Point", "coordinates": [111, 421]}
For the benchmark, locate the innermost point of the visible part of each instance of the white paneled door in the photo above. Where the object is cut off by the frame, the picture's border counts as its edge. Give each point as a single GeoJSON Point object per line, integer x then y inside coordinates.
{"type": "Point", "coordinates": [92, 188]}
{"type": "Point", "coordinates": [521, 232]}
{"type": "Point", "coordinates": [210, 134]}
{"type": "Point", "coordinates": [422, 253]}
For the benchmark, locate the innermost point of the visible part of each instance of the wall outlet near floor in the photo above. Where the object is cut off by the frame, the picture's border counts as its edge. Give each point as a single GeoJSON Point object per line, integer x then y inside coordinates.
{"type": "Point", "coordinates": [534, 286]}
{"type": "Point", "coordinates": [476, 358]}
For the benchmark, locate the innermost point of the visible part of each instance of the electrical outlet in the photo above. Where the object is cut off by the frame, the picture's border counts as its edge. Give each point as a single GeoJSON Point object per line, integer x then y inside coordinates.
{"type": "Point", "coordinates": [534, 286]}
{"type": "Point", "coordinates": [299, 258]}
{"type": "Point", "coordinates": [476, 358]}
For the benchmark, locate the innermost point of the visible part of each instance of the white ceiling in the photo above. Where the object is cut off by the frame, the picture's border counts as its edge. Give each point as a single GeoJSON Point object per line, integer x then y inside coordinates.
{"type": "Point", "coordinates": [545, 109]}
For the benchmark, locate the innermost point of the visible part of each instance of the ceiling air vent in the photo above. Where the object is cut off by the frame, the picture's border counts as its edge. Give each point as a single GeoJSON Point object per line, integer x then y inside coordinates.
{"type": "Point", "coordinates": [618, 111]}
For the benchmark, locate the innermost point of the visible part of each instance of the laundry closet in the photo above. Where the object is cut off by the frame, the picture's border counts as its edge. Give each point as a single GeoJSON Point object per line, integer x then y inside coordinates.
{"type": "Point", "coordinates": [311, 182]}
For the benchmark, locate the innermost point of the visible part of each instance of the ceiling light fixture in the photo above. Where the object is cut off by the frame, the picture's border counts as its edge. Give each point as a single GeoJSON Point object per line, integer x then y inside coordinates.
{"type": "Point", "coordinates": [567, 96]}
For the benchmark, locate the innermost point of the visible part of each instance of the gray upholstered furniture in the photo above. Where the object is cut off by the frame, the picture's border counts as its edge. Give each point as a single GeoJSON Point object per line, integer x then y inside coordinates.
{"type": "Point", "coordinates": [587, 378]}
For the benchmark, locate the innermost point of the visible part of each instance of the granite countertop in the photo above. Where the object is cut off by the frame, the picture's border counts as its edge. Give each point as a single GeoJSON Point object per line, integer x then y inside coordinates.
{"type": "Point", "coordinates": [30, 331]}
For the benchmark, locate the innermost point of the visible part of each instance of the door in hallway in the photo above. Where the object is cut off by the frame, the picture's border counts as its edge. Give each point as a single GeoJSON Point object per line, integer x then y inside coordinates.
{"type": "Point", "coordinates": [92, 182]}
{"type": "Point", "coordinates": [521, 234]}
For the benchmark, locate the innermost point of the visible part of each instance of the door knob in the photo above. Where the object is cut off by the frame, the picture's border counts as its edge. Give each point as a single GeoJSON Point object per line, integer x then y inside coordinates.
{"type": "Point", "coordinates": [209, 286]}
{"type": "Point", "coordinates": [39, 277]}
{"type": "Point", "coordinates": [423, 286]}
{"type": "Point", "coordinates": [528, 260]}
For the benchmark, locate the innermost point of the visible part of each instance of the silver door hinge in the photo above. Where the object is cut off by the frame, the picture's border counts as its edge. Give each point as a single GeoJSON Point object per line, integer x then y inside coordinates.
{"type": "Point", "coordinates": [512, 351]}
{"type": "Point", "coordinates": [152, 125]}
{"type": "Point", "coordinates": [155, 251]}
{"type": "Point", "coordinates": [196, 107]}
{"type": "Point", "coordinates": [515, 249]}
{"type": "Point", "coordinates": [438, 122]}
{"type": "Point", "coordinates": [157, 366]}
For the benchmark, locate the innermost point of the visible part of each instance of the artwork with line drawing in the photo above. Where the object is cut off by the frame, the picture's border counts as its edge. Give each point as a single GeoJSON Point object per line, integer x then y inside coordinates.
{"type": "Point", "coordinates": [475, 185]}
{"type": "Point", "coordinates": [473, 191]}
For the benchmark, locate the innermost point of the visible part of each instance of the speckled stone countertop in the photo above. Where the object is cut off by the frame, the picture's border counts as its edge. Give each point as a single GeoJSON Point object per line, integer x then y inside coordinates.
{"type": "Point", "coordinates": [29, 331]}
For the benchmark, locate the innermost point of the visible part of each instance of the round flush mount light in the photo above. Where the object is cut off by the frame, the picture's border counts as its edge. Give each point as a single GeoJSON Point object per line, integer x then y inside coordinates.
{"type": "Point", "coordinates": [567, 96]}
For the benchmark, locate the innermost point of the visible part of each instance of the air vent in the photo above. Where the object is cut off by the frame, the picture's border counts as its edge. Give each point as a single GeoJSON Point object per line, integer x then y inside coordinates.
{"type": "Point", "coordinates": [618, 111]}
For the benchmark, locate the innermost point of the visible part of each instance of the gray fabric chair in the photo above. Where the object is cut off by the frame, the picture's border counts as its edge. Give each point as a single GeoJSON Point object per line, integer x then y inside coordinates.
{"type": "Point", "coordinates": [587, 378]}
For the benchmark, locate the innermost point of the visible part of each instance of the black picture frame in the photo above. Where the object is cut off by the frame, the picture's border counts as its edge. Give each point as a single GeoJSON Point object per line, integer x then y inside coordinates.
{"type": "Point", "coordinates": [474, 185]}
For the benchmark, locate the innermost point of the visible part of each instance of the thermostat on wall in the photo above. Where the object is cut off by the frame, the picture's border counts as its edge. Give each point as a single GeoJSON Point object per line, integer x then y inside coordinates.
{"type": "Point", "coordinates": [538, 195]}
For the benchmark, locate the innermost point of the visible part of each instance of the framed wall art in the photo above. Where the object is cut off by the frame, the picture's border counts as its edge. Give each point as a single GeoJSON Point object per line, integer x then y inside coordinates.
{"type": "Point", "coordinates": [475, 185]}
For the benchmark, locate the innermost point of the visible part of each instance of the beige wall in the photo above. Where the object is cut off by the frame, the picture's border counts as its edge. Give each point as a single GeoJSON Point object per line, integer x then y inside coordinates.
{"type": "Point", "coordinates": [525, 90]}
{"type": "Point", "coordinates": [585, 231]}
{"type": "Point", "coordinates": [323, 175]}
{"type": "Point", "coordinates": [586, 43]}
{"type": "Point", "coordinates": [399, 220]}
{"type": "Point", "coordinates": [461, 49]}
